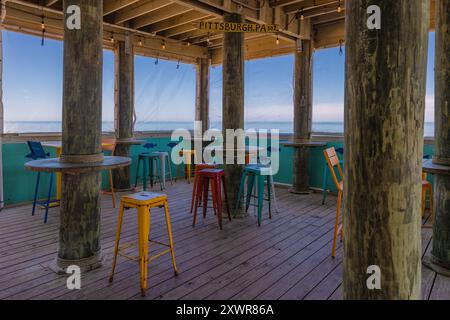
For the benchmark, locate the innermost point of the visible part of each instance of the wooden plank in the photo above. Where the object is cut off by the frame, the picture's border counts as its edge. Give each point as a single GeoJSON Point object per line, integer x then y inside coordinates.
{"type": "Point", "coordinates": [210, 268]}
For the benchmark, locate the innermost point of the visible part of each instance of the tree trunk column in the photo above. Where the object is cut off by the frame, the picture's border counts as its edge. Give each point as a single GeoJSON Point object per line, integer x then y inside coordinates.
{"type": "Point", "coordinates": [124, 108]}
{"type": "Point", "coordinates": [441, 228]}
{"type": "Point", "coordinates": [202, 100]}
{"type": "Point", "coordinates": [302, 114]}
{"type": "Point", "coordinates": [233, 98]}
{"type": "Point", "coordinates": [384, 112]}
{"type": "Point", "coordinates": [79, 239]}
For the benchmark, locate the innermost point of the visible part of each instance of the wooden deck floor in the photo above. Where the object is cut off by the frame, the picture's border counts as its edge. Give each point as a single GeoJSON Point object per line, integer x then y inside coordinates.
{"type": "Point", "coordinates": [287, 258]}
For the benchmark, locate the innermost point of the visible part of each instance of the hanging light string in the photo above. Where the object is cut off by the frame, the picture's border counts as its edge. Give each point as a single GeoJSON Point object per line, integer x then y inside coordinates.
{"type": "Point", "coordinates": [43, 30]}
{"type": "Point", "coordinates": [142, 35]}
{"type": "Point", "coordinates": [341, 49]}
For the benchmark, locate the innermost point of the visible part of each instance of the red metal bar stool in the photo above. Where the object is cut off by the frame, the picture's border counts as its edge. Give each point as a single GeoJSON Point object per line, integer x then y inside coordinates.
{"type": "Point", "coordinates": [198, 168]}
{"type": "Point", "coordinates": [213, 177]}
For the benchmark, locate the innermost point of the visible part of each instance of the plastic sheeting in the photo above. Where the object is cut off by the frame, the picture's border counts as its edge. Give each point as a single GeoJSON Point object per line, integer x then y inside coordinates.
{"type": "Point", "coordinates": [164, 94]}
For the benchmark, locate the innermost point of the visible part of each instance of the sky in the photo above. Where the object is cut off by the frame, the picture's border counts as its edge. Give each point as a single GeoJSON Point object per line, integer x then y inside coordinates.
{"type": "Point", "coordinates": [165, 91]}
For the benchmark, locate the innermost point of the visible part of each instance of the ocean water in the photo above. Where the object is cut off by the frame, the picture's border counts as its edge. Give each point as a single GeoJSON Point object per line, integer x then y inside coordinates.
{"type": "Point", "coordinates": [108, 126]}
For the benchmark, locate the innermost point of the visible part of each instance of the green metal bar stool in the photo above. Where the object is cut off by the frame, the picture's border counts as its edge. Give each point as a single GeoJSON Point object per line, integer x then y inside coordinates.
{"type": "Point", "coordinates": [151, 159]}
{"type": "Point", "coordinates": [259, 175]}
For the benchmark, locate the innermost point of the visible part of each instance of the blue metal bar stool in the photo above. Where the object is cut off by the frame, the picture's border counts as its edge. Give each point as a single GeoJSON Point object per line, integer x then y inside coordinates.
{"type": "Point", "coordinates": [258, 173]}
{"type": "Point", "coordinates": [38, 152]}
{"type": "Point", "coordinates": [325, 175]}
{"type": "Point", "coordinates": [264, 161]}
{"type": "Point", "coordinates": [150, 158]}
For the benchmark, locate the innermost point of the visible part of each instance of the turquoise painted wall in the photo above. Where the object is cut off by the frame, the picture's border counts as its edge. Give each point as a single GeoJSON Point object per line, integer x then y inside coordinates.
{"type": "Point", "coordinates": [19, 183]}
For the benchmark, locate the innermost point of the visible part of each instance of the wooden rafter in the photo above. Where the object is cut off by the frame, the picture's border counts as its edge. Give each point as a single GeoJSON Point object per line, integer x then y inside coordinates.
{"type": "Point", "coordinates": [138, 9]}
{"type": "Point", "coordinates": [159, 15]}
{"type": "Point", "coordinates": [171, 21]}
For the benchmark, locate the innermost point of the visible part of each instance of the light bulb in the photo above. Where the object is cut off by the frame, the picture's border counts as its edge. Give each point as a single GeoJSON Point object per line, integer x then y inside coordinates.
{"type": "Point", "coordinates": [278, 41]}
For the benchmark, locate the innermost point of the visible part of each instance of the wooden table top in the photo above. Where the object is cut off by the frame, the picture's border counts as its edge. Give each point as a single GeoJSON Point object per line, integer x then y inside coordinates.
{"type": "Point", "coordinates": [131, 141]}
{"type": "Point", "coordinates": [58, 144]}
{"type": "Point", "coordinates": [55, 165]}
{"type": "Point", "coordinates": [248, 149]}
{"type": "Point", "coordinates": [304, 144]}
{"type": "Point", "coordinates": [430, 167]}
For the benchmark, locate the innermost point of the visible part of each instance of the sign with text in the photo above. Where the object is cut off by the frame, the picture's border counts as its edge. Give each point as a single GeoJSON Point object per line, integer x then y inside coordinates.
{"type": "Point", "coordinates": [236, 27]}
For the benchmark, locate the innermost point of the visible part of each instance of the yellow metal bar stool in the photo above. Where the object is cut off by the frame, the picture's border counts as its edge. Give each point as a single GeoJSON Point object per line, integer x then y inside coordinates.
{"type": "Point", "coordinates": [143, 202]}
{"type": "Point", "coordinates": [188, 155]}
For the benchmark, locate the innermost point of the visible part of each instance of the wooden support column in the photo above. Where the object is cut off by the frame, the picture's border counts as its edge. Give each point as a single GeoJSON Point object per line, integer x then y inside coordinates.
{"type": "Point", "coordinates": [202, 92]}
{"type": "Point", "coordinates": [302, 113]}
{"type": "Point", "coordinates": [124, 108]}
{"type": "Point", "coordinates": [384, 120]}
{"type": "Point", "coordinates": [440, 254]}
{"type": "Point", "coordinates": [79, 240]}
{"type": "Point", "coordinates": [233, 97]}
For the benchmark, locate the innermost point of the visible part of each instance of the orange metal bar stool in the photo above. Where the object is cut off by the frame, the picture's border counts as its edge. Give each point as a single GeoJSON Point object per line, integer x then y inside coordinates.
{"type": "Point", "coordinates": [214, 177]}
{"type": "Point", "coordinates": [198, 168]}
{"type": "Point", "coordinates": [143, 202]}
{"type": "Point", "coordinates": [110, 145]}
{"type": "Point", "coordinates": [333, 161]}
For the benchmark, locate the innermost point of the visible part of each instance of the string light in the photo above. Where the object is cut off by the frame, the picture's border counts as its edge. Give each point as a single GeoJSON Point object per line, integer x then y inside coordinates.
{"type": "Point", "coordinates": [302, 17]}
{"type": "Point", "coordinates": [112, 37]}
{"type": "Point", "coordinates": [43, 30]}
{"type": "Point", "coordinates": [278, 41]}
{"type": "Point", "coordinates": [140, 42]}
{"type": "Point", "coordinates": [163, 45]}
{"type": "Point", "coordinates": [339, 7]}
{"type": "Point", "coordinates": [188, 44]}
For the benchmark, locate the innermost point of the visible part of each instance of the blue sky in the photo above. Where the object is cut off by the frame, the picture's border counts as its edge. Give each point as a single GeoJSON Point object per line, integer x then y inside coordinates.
{"type": "Point", "coordinates": [33, 85]}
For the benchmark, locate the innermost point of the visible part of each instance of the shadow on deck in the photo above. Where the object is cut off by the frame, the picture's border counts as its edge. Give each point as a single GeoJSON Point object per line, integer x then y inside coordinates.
{"type": "Point", "coordinates": [287, 258]}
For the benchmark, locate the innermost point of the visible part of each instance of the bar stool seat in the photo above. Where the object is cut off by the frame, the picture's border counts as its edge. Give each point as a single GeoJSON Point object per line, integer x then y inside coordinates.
{"type": "Point", "coordinates": [258, 173]}
{"type": "Point", "coordinates": [214, 177]}
{"type": "Point", "coordinates": [143, 202]}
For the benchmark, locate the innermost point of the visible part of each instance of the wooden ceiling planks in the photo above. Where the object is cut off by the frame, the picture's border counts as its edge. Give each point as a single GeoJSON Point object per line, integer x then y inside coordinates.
{"type": "Point", "coordinates": [154, 22]}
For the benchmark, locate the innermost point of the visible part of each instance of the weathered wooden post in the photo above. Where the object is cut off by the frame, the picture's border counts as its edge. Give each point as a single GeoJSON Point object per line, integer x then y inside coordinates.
{"type": "Point", "coordinates": [233, 97]}
{"type": "Point", "coordinates": [384, 119]}
{"type": "Point", "coordinates": [202, 93]}
{"type": "Point", "coordinates": [440, 254]}
{"type": "Point", "coordinates": [124, 108]}
{"type": "Point", "coordinates": [302, 113]}
{"type": "Point", "coordinates": [81, 136]}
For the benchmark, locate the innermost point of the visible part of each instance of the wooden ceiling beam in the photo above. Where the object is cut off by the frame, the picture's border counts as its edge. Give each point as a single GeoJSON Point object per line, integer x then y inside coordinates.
{"type": "Point", "coordinates": [49, 3]}
{"type": "Point", "coordinates": [111, 6]}
{"type": "Point", "coordinates": [262, 16]}
{"type": "Point", "coordinates": [179, 24]}
{"type": "Point", "coordinates": [159, 15]}
{"type": "Point", "coordinates": [312, 5]}
{"type": "Point", "coordinates": [281, 3]}
{"type": "Point", "coordinates": [138, 9]}
{"type": "Point", "coordinates": [27, 16]}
